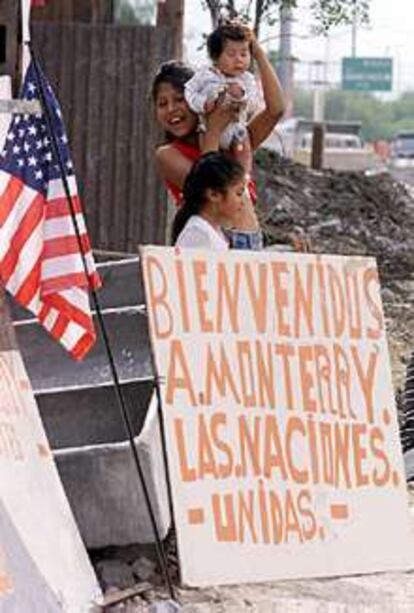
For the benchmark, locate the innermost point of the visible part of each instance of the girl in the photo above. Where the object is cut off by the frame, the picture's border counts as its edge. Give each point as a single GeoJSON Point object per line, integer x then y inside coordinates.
{"type": "Point", "coordinates": [212, 199]}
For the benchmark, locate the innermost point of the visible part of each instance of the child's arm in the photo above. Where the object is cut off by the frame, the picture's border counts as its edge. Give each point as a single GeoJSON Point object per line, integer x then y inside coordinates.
{"type": "Point", "coordinates": [225, 111]}
{"type": "Point", "coordinates": [195, 92]}
{"type": "Point", "coordinates": [202, 90]}
{"type": "Point", "coordinates": [236, 89]}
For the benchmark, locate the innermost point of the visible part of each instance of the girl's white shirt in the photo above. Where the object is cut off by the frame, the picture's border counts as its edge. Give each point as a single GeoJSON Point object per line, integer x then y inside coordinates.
{"type": "Point", "coordinates": [198, 232]}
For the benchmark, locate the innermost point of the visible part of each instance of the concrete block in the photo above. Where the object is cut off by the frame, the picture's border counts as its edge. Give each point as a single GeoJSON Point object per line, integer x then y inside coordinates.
{"type": "Point", "coordinates": [76, 417]}
{"type": "Point", "coordinates": [114, 574]}
{"type": "Point", "coordinates": [102, 485]}
{"type": "Point", "coordinates": [78, 406]}
{"type": "Point", "coordinates": [409, 464]}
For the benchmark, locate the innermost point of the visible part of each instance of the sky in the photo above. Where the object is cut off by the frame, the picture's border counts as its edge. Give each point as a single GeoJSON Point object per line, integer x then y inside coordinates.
{"type": "Point", "coordinates": [390, 34]}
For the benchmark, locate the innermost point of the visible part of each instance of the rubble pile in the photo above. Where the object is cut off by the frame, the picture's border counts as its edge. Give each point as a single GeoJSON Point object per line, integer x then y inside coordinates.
{"type": "Point", "coordinates": [347, 213]}
{"type": "Point", "coordinates": [341, 212]}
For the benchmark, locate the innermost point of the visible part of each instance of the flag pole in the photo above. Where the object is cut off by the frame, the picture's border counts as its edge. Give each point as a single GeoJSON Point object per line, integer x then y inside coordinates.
{"type": "Point", "coordinates": [118, 391]}
{"type": "Point", "coordinates": [161, 425]}
{"type": "Point", "coordinates": [25, 17]}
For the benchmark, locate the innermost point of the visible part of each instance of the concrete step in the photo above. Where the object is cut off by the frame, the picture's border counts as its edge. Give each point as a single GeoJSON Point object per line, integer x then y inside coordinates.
{"type": "Point", "coordinates": [50, 367]}
{"type": "Point", "coordinates": [91, 416]}
{"type": "Point", "coordinates": [121, 287]}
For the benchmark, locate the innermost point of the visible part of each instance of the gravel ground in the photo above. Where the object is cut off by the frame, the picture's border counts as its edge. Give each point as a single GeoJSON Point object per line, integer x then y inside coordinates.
{"type": "Point", "coordinates": [375, 593]}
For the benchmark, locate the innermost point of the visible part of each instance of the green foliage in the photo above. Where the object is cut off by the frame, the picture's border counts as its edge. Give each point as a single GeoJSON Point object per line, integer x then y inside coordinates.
{"type": "Point", "coordinates": [303, 103]}
{"type": "Point", "coordinates": [380, 119]}
{"type": "Point", "coordinates": [330, 13]}
{"type": "Point", "coordinates": [326, 13]}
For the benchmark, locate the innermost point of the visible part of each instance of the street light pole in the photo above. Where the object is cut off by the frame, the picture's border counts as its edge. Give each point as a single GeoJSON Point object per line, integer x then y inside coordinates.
{"type": "Point", "coordinates": [354, 30]}
{"type": "Point", "coordinates": [285, 53]}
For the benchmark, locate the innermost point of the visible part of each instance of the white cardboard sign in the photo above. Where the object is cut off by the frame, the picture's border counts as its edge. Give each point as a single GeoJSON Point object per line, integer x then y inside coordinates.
{"type": "Point", "coordinates": [37, 528]}
{"type": "Point", "coordinates": [281, 428]}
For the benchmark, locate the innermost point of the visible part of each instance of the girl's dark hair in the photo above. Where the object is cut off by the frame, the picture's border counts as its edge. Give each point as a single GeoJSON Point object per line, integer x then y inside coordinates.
{"type": "Point", "coordinates": [175, 73]}
{"type": "Point", "coordinates": [225, 31]}
{"type": "Point", "coordinates": [214, 170]}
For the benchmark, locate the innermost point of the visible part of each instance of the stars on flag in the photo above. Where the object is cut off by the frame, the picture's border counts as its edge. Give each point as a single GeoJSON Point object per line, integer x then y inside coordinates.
{"type": "Point", "coordinates": [28, 151]}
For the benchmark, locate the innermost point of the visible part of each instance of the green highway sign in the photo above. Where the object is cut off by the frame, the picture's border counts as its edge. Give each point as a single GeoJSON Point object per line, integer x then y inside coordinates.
{"type": "Point", "coordinates": [367, 74]}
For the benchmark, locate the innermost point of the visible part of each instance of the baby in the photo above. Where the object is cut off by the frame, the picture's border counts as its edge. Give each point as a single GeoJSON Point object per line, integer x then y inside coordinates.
{"type": "Point", "coordinates": [229, 50]}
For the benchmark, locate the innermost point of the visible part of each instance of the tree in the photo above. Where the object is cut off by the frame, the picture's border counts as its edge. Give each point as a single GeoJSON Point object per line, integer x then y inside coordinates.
{"type": "Point", "coordinates": [380, 119]}
{"type": "Point", "coordinates": [326, 13]}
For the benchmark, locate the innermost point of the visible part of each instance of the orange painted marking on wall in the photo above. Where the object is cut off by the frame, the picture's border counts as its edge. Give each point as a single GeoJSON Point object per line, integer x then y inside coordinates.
{"type": "Point", "coordinates": [339, 511]}
{"type": "Point", "coordinates": [395, 478]}
{"type": "Point", "coordinates": [202, 295]}
{"type": "Point", "coordinates": [44, 451]}
{"type": "Point", "coordinates": [281, 297]}
{"type": "Point", "coordinates": [196, 516]}
{"type": "Point", "coordinates": [5, 584]}
{"type": "Point", "coordinates": [157, 298]}
{"type": "Point", "coordinates": [386, 416]}
{"type": "Point", "coordinates": [373, 301]}
{"type": "Point", "coordinates": [303, 306]}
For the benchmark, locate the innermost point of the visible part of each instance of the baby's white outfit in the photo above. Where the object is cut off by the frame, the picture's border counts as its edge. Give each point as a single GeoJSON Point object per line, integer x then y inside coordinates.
{"type": "Point", "coordinates": [207, 84]}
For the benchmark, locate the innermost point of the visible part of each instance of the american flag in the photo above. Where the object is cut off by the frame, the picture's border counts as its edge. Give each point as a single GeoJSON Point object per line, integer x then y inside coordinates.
{"type": "Point", "coordinates": [40, 261]}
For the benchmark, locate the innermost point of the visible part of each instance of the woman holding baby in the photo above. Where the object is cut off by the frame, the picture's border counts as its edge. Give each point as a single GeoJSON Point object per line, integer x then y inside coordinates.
{"type": "Point", "coordinates": [221, 120]}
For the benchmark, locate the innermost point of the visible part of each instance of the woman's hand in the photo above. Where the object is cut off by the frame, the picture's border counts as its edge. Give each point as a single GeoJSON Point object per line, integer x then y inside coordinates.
{"type": "Point", "coordinates": [224, 112]}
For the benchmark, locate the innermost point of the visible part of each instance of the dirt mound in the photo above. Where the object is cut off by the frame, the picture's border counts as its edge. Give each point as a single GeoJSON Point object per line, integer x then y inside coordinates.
{"type": "Point", "coordinates": [341, 212]}
{"type": "Point", "coordinates": [347, 213]}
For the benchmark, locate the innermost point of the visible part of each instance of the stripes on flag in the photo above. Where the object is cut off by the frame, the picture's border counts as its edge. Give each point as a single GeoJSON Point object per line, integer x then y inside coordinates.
{"type": "Point", "coordinates": [40, 259]}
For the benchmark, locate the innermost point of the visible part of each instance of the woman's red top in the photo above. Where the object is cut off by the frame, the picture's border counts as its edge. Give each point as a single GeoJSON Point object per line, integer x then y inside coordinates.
{"type": "Point", "coordinates": [193, 153]}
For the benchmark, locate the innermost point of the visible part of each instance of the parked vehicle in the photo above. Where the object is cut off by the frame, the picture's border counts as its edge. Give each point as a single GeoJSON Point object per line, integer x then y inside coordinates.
{"type": "Point", "coordinates": [341, 152]}
{"type": "Point", "coordinates": [343, 148]}
{"type": "Point", "coordinates": [402, 149]}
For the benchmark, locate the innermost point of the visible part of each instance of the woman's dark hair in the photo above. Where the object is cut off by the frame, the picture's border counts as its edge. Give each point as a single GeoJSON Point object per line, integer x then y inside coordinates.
{"type": "Point", "coordinates": [214, 170]}
{"type": "Point", "coordinates": [175, 73]}
{"type": "Point", "coordinates": [225, 31]}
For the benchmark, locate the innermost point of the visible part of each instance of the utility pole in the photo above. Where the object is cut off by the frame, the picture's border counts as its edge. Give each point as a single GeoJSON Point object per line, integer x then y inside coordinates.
{"type": "Point", "coordinates": [285, 55]}
{"type": "Point", "coordinates": [171, 13]}
{"type": "Point", "coordinates": [318, 132]}
{"type": "Point", "coordinates": [354, 30]}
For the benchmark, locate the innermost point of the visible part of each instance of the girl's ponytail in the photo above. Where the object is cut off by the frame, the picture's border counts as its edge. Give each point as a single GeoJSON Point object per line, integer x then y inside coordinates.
{"type": "Point", "coordinates": [183, 214]}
